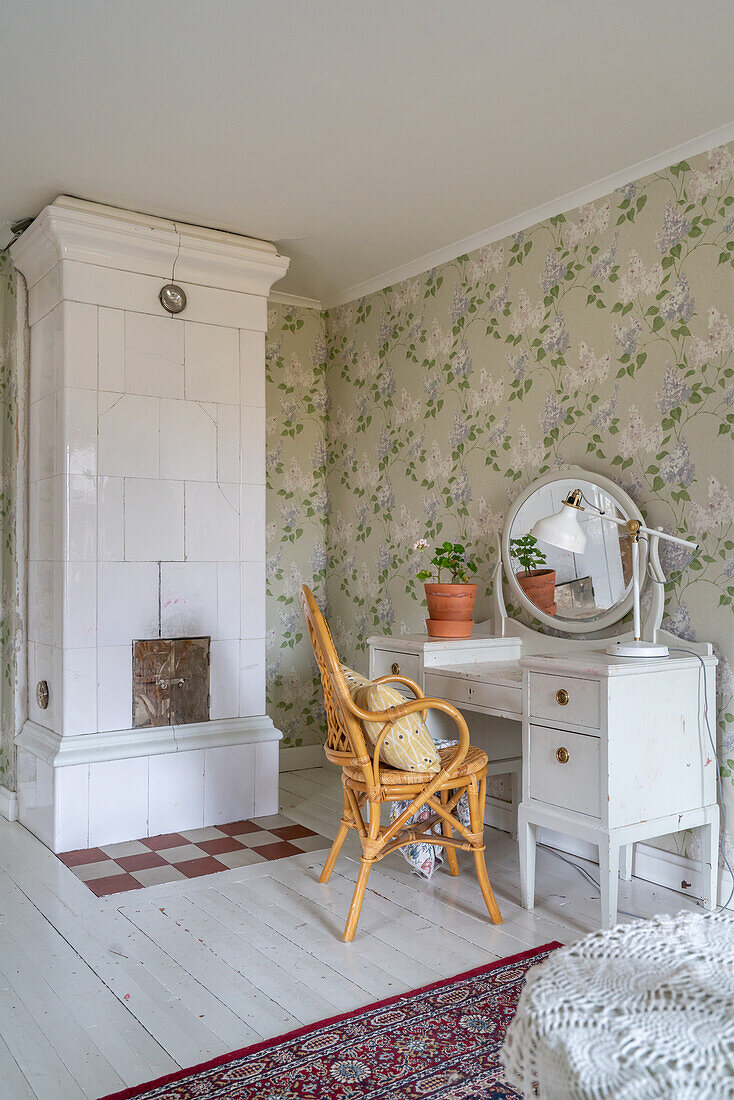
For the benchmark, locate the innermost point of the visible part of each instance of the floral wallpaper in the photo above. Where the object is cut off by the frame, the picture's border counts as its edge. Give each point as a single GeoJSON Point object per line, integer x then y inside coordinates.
{"type": "Point", "coordinates": [297, 514]}
{"type": "Point", "coordinates": [9, 621]}
{"type": "Point", "coordinates": [602, 338]}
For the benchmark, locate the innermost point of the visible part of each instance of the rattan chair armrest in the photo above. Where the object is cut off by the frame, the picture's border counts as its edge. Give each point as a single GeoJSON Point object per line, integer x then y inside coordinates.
{"type": "Point", "coordinates": [408, 683]}
{"type": "Point", "coordinates": [401, 680]}
{"type": "Point", "coordinates": [410, 706]}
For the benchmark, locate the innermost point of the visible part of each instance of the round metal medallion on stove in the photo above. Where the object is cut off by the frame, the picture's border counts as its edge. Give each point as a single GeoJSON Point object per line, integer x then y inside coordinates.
{"type": "Point", "coordinates": [173, 298]}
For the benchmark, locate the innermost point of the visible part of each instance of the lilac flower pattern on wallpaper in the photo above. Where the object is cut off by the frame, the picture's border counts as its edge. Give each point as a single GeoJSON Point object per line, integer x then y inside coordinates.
{"type": "Point", "coordinates": [602, 338]}
{"type": "Point", "coordinates": [297, 514]}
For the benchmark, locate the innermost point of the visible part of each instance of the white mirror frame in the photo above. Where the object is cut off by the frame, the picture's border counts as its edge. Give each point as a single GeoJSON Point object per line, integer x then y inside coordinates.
{"type": "Point", "coordinates": [625, 502]}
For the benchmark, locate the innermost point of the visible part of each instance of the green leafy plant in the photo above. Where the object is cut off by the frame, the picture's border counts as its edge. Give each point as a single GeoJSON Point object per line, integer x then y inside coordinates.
{"type": "Point", "coordinates": [526, 552]}
{"type": "Point", "coordinates": [452, 557]}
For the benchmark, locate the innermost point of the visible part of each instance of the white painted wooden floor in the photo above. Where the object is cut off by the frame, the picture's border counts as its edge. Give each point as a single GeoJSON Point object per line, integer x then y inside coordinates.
{"type": "Point", "coordinates": [98, 994]}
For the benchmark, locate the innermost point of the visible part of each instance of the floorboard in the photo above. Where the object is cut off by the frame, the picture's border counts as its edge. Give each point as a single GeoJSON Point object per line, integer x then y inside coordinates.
{"type": "Point", "coordinates": [304, 961]}
{"type": "Point", "coordinates": [12, 1076]}
{"type": "Point", "coordinates": [41, 1066]}
{"type": "Point", "coordinates": [131, 1050]}
{"type": "Point", "coordinates": [100, 993]}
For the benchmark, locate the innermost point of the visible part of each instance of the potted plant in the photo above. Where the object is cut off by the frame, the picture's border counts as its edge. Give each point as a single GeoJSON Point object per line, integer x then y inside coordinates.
{"type": "Point", "coordinates": [539, 585]}
{"type": "Point", "coordinates": [450, 604]}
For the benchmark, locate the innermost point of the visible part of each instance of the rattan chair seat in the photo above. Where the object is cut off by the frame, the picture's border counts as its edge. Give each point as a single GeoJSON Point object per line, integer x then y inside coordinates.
{"type": "Point", "coordinates": [474, 761]}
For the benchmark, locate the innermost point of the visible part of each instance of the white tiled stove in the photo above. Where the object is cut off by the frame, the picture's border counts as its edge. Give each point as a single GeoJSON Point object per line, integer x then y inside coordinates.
{"type": "Point", "coordinates": [147, 519]}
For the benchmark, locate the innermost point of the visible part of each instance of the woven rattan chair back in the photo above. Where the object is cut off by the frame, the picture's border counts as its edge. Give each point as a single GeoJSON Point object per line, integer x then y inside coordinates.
{"type": "Point", "coordinates": [345, 742]}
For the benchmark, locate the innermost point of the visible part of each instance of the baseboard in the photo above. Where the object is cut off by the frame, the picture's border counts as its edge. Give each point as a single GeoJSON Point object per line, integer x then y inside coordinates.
{"type": "Point", "coordinates": [678, 873]}
{"type": "Point", "coordinates": [8, 804]}
{"type": "Point", "coordinates": [675, 872]}
{"type": "Point", "coordinates": [500, 815]}
{"type": "Point", "coordinates": [300, 757]}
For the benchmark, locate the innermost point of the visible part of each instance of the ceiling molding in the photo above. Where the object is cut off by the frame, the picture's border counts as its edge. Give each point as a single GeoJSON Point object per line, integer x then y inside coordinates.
{"type": "Point", "coordinates": [590, 193]}
{"type": "Point", "coordinates": [294, 300]}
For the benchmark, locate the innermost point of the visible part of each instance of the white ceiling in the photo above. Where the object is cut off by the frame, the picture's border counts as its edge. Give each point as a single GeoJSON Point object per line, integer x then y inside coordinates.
{"type": "Point", "coordinates": [358, 134]}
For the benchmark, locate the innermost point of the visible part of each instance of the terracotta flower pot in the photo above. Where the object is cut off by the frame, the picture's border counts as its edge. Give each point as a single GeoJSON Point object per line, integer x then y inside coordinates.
{"type": "Point", "coordinates": [450, 610]}
{"type": "Point", "coordinates": [539, 585]}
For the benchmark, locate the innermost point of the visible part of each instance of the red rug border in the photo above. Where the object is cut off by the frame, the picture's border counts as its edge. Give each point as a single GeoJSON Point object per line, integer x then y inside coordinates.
{"type": "Point", "coordinates": [222, 1059]}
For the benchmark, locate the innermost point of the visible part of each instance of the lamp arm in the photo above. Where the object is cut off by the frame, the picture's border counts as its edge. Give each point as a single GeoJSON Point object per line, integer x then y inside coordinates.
{"type": "Point", "coordinates": [633, 526]}
{"type": "Point", "coordinates": [637, 527]}
{"type": "Point", "coordinates": [670, 538]}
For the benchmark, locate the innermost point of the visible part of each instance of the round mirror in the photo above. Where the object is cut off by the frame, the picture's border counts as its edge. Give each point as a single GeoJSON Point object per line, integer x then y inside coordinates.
{"type": "Point", "coordinates": [576, 592]}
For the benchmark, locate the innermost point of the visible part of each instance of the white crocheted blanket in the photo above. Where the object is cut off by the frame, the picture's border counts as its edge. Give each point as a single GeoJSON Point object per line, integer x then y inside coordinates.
{"type": "Point", "coordinates": [642, 1012]}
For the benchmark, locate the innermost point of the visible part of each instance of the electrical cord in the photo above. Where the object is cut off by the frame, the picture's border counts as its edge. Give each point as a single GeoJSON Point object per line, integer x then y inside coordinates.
{"type": "Point", "coordinates": [589, 877]}
{"type": "Point", "coordinates": [591, 504]}
{"type": "Point", "coordinates": [719, 786]}
{"type": "Point", "coordinates": [17, 229]}
{"type": "Point", "coordinates": [178, 253]}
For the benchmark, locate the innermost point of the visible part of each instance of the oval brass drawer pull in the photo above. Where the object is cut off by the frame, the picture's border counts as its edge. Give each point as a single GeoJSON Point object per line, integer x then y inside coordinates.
{"type": "Point", "coordinates": [562, 756]}
{"type": "Point", "coordinates": [395, 668]}
{"type": "Point", "coordinates": [562, 697]}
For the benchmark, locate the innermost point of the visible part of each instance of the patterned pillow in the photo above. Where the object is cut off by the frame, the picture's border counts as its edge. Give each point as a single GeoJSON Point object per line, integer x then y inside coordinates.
{"type": "Point", "coordinates": [354, 679]}
{"type": "Point", "coordinates": [409, 745]}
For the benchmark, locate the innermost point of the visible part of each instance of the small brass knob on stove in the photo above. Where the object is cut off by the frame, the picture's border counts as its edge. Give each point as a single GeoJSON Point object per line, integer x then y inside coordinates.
{"type": "Point", "coordinates": [395, 668]}
{"type": "Point", "coordinates": [562, 697]}
{"type": "Point", "coordinates": [562, 755]}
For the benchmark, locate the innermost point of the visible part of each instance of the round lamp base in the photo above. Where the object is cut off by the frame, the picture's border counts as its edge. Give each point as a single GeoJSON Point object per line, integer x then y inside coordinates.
{"type": "Point", "coordinates": [637, 649]}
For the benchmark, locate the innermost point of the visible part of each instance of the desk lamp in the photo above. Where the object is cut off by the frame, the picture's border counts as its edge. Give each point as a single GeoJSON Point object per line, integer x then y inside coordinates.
{"type": "Point", "coordinates": [562, 529]}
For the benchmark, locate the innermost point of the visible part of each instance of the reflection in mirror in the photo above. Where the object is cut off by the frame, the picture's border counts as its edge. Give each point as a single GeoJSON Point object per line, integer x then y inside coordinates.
{"type": "Point", "coordinates": [573, 587]}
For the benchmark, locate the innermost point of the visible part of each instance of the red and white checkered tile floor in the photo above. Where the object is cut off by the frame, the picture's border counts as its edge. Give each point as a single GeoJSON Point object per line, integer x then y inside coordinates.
{"type": "Point", "coordinates": [114, 868]}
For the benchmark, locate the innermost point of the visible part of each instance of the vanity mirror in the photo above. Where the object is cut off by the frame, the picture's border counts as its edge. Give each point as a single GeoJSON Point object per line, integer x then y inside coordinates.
{"type": "Point", "coordinates": [576, 592]}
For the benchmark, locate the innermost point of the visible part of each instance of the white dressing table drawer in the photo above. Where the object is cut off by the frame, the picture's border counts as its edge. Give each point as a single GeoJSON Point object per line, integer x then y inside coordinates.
{"type": "Point", "coordinates": [564, 769]}
{"type": "Point", "coordinates": [475, 694]}
{"type": "Point", "coordinates": [388, 662]}
{"type": "Point", "coordinates": [564, 699]}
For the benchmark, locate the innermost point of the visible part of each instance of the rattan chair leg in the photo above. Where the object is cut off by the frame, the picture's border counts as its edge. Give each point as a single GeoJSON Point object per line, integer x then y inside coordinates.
{"type": "Point", "coordinates": [476, 813]}
{"type": "Point", "coordinates": [357, 899]}
{"type": "Point", "coordinates": [448, 831]}
{"type": "Point", "coordinates": [333, 855]}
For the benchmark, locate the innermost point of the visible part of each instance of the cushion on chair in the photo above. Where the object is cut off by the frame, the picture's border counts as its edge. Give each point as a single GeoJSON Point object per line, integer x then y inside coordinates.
{"type": "Point", "coordinates": [408, 746]}
{"type": "Point", "coordinates": [354, 679]}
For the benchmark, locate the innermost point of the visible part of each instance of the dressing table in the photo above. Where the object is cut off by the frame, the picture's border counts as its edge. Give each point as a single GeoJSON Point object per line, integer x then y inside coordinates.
{"type": "Point", "coordinates": [610, 750]}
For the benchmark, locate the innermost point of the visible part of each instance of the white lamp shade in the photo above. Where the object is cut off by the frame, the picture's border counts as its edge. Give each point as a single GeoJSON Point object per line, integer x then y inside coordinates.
{"type": "Point", "coordinates": [562, 530]}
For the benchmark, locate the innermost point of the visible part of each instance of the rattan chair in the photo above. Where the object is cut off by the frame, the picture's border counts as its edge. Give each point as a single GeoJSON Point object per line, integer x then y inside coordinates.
{"type": "Point", "coordinates": [368, 782]}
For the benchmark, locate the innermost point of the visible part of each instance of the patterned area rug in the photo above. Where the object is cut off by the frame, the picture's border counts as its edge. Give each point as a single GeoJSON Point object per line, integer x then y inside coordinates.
{"type": "Point", "coordinates": [441, 1041]}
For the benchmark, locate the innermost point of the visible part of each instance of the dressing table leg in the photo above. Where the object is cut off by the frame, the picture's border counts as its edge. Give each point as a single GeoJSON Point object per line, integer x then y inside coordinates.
{"type": "Point", "coordinates": [625, 861]}
{"type": "Point", "coordinates": [515, 799]}
{"type": "Point", "coordinates": [710, 860]}
{"type": "Point", "coordinates": [609, 881]}
{"type": "Point", "coordinates": [526, 844]}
